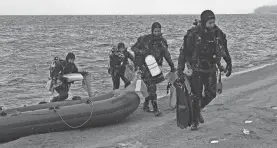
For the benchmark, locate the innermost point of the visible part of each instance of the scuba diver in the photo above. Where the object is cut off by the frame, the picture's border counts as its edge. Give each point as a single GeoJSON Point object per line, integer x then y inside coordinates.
{"type": "Point", "coordinates": [57, 70]}
{"type": "Point", "coordinates": [203, 47]}
{"type": "Point", "coordinates": [118, 60]}
{"type": "Point", "coordinates": [156, 46]}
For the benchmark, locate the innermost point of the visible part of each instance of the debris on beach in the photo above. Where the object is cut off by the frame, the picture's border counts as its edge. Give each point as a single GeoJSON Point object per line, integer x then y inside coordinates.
{"type": "Point", "coordinates": [274, 107]}
{"type": "Point", "coordinates": [122, 144]}
{"type": "Point", "coordinates": [214, 141]}
{"type": "Point", "coordinates": [246, 131]}
{"type": "Point", "coordinates": [248, 121]}
{"type": "Point", "coordinates": [135, 144]}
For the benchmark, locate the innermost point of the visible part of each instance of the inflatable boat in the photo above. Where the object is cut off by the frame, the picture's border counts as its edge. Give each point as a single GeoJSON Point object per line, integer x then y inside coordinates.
{"type": "Point", "coordinates": [44, 105]}
{"type": "Point", "coordinates": [60, 116]}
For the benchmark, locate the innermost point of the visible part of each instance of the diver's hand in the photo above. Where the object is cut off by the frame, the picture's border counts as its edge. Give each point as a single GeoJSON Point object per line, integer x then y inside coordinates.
{"type": "Point", "coordinates": [228, 70]}
{"type": "Point", "coordinates": [181, 77]}
{"type": "Point", "coordinates": [188, 69]}
{"type": "Point", "coordinates": [84, 73]}
{"type": "Point", "coordinates": [168, 87]}
{"type": "Point", "coordinates": [188, 65]}
{"type": "Point", "coordinates": [72, 82]}
{"type": "Point", "coordinates": [179, 82]}
{"type": "Point", "coordinates": [142, 52]}
{"type": "Point", "coordinates": [173, 69]}
{"type": "Point", "coordinates": [138, 75]}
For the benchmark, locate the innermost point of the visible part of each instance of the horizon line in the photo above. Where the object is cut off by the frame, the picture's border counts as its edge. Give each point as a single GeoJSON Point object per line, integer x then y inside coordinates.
{"type": "Point", "coordinates": [114, 14]}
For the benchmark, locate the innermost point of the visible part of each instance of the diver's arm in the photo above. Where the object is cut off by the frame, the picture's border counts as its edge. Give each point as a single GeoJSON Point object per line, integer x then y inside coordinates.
{"type": "Point", "coordinates": [135, 48]}
{"type": "Point", "coordinates": [189, 41]}
{"type": "Point", "coordinates": [130, 56]}
{"type": "Point", "coordinates": [167, 55]}
{"type": "Point", "coordinates": [181, 58]}
{"type": "Point", "coordinates": [227, 59]}
{"type": "Point", "coordinates": [75, 70]}
{"type": "Point", "coordinates": [113, 58]}
{"type": "Point", "coordinates": [138, 47]}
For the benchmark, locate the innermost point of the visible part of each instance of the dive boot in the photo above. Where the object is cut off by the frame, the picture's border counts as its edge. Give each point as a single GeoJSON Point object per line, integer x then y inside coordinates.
{"type": "Point", "coordinates": [194, 126]}
{"type": "Point", "coordinates": [201, 119]}
{"type": "Point", "coordinates": [127, 84]}
{"type": "Point", "coordinates": [156, 111]}
{"type": "Point", "coordinates": [146, 106]}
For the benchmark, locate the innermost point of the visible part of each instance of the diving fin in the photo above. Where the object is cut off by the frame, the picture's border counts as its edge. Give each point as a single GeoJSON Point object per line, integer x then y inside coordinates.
{"type": "Point", "coordinates": [184, 106]}
{"type": "Point", "coordinates": [171, 90]}
{"type": "Point", "coordinates": [172, 97]}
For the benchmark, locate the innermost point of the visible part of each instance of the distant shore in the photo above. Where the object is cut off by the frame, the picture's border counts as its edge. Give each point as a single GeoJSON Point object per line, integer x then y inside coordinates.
{"type": "Point", "coordinates": [266, 10]}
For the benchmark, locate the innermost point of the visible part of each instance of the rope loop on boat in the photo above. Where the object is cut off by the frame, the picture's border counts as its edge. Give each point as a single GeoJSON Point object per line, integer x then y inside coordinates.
{"type": "Point", "coordinates": [74, 127]}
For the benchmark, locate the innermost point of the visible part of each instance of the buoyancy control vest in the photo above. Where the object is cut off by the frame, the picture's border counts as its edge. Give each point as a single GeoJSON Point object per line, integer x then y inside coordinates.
{"type": "Point", "coordinates": [208, 49]}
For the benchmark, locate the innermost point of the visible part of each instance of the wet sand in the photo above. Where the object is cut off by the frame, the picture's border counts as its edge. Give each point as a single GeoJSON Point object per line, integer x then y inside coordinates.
{"type": "Point", "coordinates": [248, 96]}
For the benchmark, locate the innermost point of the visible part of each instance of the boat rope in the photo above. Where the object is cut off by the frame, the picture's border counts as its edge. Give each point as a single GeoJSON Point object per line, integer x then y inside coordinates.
{"type": "Point", "coordinates": [74, 127]}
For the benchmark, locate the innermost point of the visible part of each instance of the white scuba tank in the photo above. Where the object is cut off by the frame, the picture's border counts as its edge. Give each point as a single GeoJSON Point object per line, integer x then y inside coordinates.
{"type": "Point", "coordinates": [152, 66]}
{"type": "Point", "coordinates": [155, 70]}
{"type": "Point", "coordinates": [73, 77]}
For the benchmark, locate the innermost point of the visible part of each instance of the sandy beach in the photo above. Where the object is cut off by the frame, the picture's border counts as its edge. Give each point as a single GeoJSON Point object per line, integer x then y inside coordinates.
{"type": "Point", "coordinates": [249, 96]}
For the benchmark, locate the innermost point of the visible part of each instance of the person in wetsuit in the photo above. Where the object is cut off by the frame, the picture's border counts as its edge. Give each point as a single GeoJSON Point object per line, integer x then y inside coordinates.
{"type": "Point", "coordinates": [118, 60]}
{"type": "Point", "coordinates": [58, 69]}
{"type": "Point", "coordinates": [156, 45]}
{"type": "Point", "coordinates": [203, 47]}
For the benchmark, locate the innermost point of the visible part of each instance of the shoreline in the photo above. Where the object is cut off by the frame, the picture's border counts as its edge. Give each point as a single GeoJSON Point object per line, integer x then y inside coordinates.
{"type": "Point", "coordinates": [250, 69]}
{"type": "Point", "coordinates": [246, 96]}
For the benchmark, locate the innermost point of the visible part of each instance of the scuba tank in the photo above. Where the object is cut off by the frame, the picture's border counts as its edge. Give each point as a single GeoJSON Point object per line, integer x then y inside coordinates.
{"type": "Point", "coordinates": [53, 65]}
{"type": "Point", "coordinates": [50, 85]}
{"type": "Point", "coordinates": [155, 71]}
